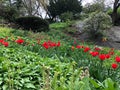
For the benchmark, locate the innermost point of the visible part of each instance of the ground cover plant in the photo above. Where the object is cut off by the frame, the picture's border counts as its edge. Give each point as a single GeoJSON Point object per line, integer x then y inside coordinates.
{"type": "Point", "coordinates": [55, 61]}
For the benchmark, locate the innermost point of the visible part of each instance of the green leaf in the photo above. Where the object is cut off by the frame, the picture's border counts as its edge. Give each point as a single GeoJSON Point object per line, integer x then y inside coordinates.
{"type": "Point", "coordinates": [4, 87]}
{"type": "Point", "coordinates": [95, 84]}
{"type": "Point", "coordinates": [86, 85]}
{"type": "Point", "coordinates": [109, 84]}
{"type": "Point", "coordinates": [25, 80]}
{"type": "Point", "coordinates": [29, 85]}
{"type": "Point", "coordinates": [1, 80]}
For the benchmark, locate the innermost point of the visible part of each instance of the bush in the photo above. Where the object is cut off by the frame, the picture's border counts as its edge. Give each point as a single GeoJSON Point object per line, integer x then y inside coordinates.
{"type": "Point", "coordinates": [77, 16]}
{"type": "Point", "coordinates": [8, 13]}
{"type": "Point", "coordinates": [66, 16]}
{"type": "Point", "coordinates": [109, 12]}
{"type": "Point", "coordinates": [118, 15]}
{"type": "Point", "coordinates": [97, 24]}
{"type": "Point", "coordinates": [35, 24]}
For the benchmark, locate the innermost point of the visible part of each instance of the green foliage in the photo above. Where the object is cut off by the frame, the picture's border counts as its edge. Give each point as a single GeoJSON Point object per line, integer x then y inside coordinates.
{"type": "Point", "coordinates": [57, 7]}
{"type": "Point", "coordinates": [59, 25]}
{"type": "Point", "coordinates": [96, 24]}
{"type": "Point", "coordinates": [35, 24]}
{"type": "Point", "coordinates": [8, 13]}
{"type": "Point", "coordinates": [118, 11]}
{"type": "Point", "coordinates": [107, 84]}
{"type": "Point", "coordinates": [30, 66]}
{"type": "Point", "coordinates": [21, 69]}
{"type": "Point", "coordinates": [77, 16]}
{"type": "Point", "coordinates": [109, 11]}
{"type": "Point", "coordinates": [95, 7]}
{"type": "Point", "coordinates": [66, 16]}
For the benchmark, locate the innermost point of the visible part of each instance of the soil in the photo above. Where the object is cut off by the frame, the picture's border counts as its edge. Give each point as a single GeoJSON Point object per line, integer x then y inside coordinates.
{"type": "Point", "coordinates": [113, 38]}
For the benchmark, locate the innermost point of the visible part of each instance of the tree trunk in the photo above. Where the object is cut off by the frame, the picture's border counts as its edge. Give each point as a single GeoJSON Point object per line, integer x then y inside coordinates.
{"type": "Point", "coordinates": [114, 13]}
{"type": "Point", "coordinates": [114, 17]}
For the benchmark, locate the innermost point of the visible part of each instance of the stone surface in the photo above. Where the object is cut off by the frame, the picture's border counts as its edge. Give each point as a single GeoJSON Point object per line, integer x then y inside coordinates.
{"type": "Point", "coordinates": [113, 35]}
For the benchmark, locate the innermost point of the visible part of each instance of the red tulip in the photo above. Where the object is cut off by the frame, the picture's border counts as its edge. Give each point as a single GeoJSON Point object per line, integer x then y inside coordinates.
{"type": "Point", "coordinates": [6, 44]}
{"type": "Point", "coordinates": [111, 52]}
{"type": "Point", "coordinates": [94, 53]}
{"type": "Point", "coordinates": [86, 49]}
{"type": "Point", "coordinates": [45, 45]}
{"type": "Point", "coordinates": [107, 56]}
{"type": "Point", "coordinates": [19, 41]}
{"type": "Point", "coordinates": [102, 57]}
{"type": "Point", "coordinates": [117, 59]}
{"type": "Point", "coordinates": [114, 65]}
{"type": "Point", "coordinates": [1, 40]}
{"type": "Point", "coordinates": [97, 49]}
{"type": "Point", "coordinates": [58, 44]}
{"type": "Point", "coordinates": [78, 46]}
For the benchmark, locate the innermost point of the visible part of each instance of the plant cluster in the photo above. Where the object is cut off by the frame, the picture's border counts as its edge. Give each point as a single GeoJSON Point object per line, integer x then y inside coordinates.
{"type": "Point", "coordinates": [31, 71]}
{"type": "Point", "coordinates": [97, 24]}
{"type": "Point", "coordinates": [56, 8]}
{"type": "Point", "coordinates": [35, 24]}
{"type": "Point", "coordinates": [55, 63]}
{"type": "Point", "coordinates": [8, 13]}
{"type": "Point", "coordinates": [66, 16]}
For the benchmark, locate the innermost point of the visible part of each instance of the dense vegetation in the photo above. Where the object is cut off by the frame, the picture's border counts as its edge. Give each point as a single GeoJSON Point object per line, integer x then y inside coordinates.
{"type": "Point", "coordinates": [55, 61]}
{"type": "Point", "coordinates": [37, 55]}
{"type": "Point", "coordinates": [35, 24]}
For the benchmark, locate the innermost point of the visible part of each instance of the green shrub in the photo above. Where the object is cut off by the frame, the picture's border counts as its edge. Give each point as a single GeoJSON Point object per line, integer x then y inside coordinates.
{"type": "Point", "coordinates": [77, 16]}
{"type": "Point", "coordinates": [84, 16]}
{"type": "Point", "coordinates": [8, 13]}
{"type": "Point", "coordinates": [66, 16]}
{"type": "Point", "coordinates": [109, 11]}
{"type": "Point", "coordinates": [35, 24]}
{"type": "Point", "coordinates": [97, 24]}
{"type": "Point", "coordinates": [118, 15]}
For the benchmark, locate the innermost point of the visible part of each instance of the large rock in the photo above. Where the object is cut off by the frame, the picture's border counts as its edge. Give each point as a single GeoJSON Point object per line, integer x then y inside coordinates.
{"type": "Point", "coordinates": [114, 34]}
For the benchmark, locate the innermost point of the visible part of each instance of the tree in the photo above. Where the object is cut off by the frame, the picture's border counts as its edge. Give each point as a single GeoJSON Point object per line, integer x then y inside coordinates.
{"type": "Point", "coordinates": [97, 5]}
{"type": "Point", "coordinates": [57, 7]}
{"type": "Point", "coordinates": [43, 5]}
{"type": "Point", "coordinates": [114, 13]}
{"type": "Point", "coordinates": [96, 24]}
{"type": "Point", "coordinates": [33, 7]}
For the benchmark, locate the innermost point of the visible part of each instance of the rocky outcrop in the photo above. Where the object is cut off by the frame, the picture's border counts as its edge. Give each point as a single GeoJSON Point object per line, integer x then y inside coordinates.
{"type": "Point", "coordinates": [114, 34]}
